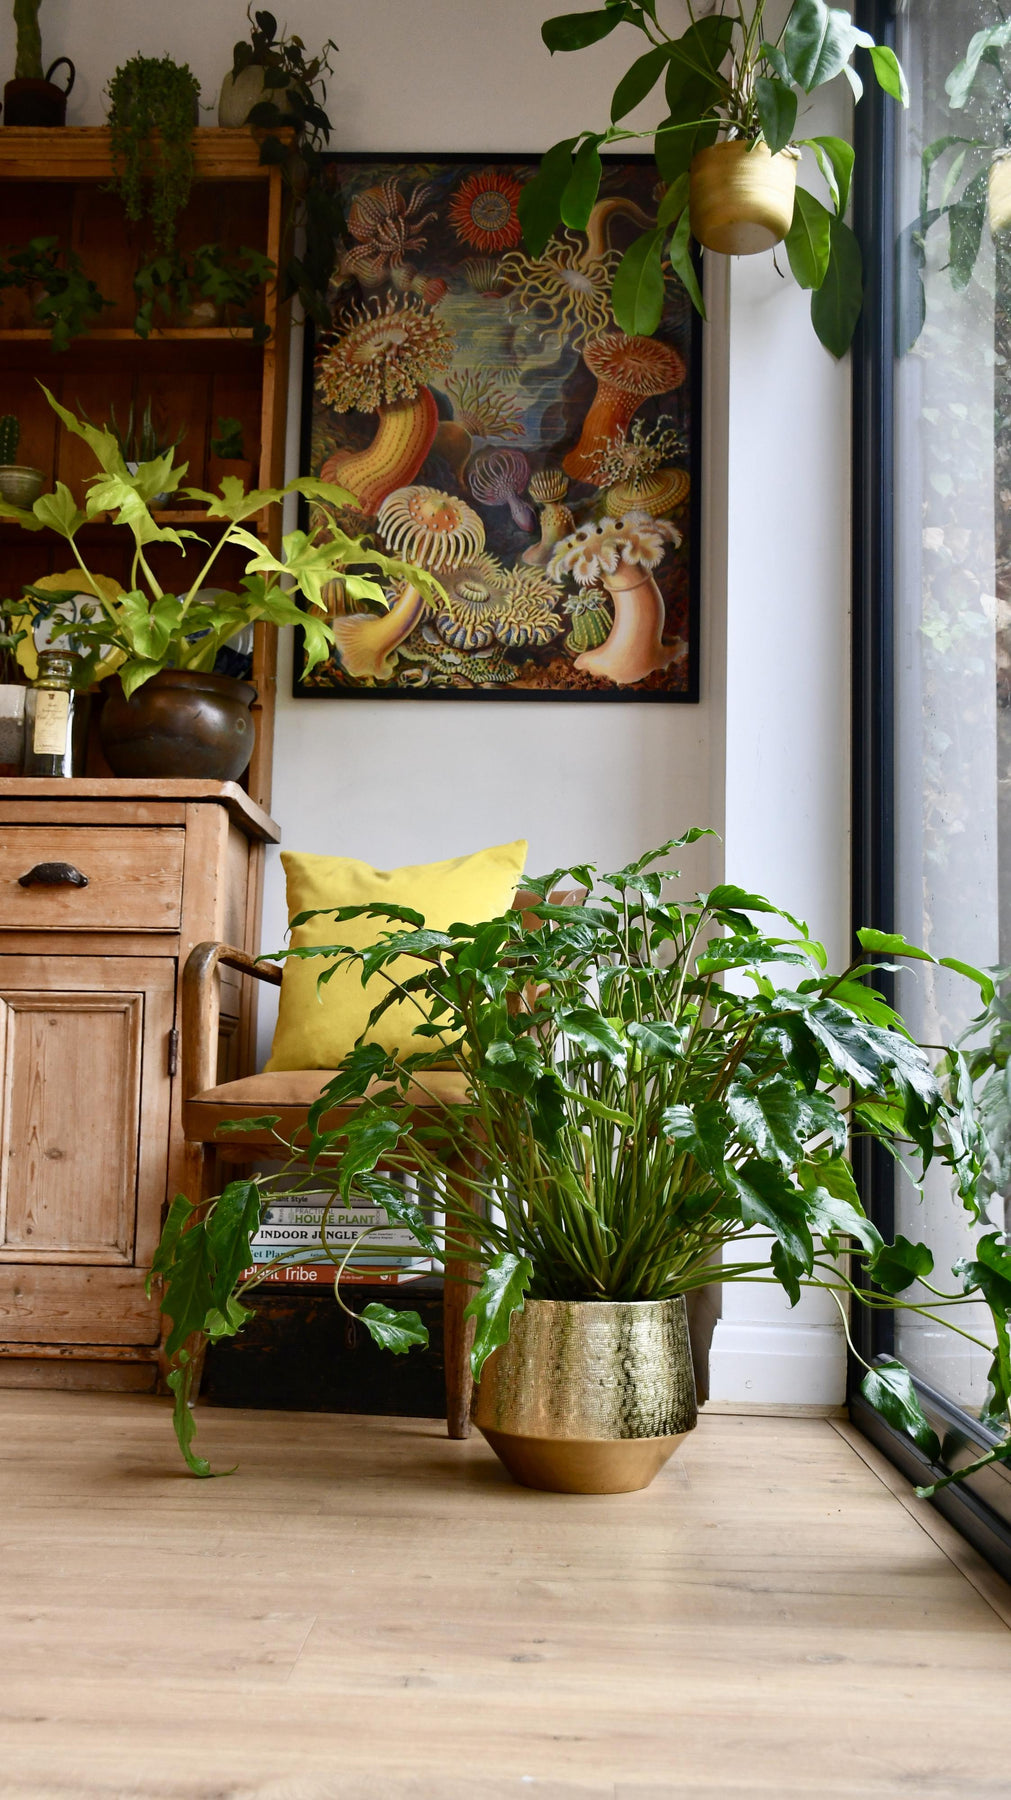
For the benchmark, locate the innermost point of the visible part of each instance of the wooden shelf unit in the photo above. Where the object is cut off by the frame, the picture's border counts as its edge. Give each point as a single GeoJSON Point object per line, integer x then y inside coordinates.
{"type": "Point", "coordinates": [55, 183]}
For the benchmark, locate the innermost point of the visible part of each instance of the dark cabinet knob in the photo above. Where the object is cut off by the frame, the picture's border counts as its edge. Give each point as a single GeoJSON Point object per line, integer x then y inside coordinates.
{"type": "Point", "coordinates": [53, 875]}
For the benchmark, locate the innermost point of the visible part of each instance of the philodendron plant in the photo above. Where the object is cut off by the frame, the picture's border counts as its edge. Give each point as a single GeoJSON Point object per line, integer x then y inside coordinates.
{"type": "Point", "coordinates": [147, 629]}
{"type": "Point", "coordinates": [630, 1118]}
{"type": "Point", "coordinates": [722, 79]}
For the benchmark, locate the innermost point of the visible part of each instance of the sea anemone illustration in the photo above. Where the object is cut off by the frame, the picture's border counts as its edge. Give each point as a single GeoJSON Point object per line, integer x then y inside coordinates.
{"type": "Point", "coordinates": [483, 211]}
{"type": "Point", "coordinates": [566, 291]}
{"type": "Point", "coordinates": [619, 556]}
{"type": "Point", "coordinates": [437, 532]}
{"type": "Point", "coordinates": [633, 470]}
{"type": "Point", "coordinates": [388, 229]}
{"type": "Point", "coordinates": [498, 478]}
{"type": "Point", "coordinates": [485, 404]}
{"type": "Point", "coordinates": [483, 275]}
{"type": "Point", "coordinates": [380, 361]}
{"type": "Point", "coordinates": [548, 489]}
{"type": "Point", "coordinates": [629, 370]}
{"type": "Point", "coordinates": [488, 604]}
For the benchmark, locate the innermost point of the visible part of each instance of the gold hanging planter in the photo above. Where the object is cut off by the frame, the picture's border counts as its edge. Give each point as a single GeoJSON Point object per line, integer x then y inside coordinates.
{"type": "Point", "coordinates": [589, 1396]}
{"type": "Point", "coordinates": [741, 196]}
{"type": "Point", "coordinates": [999, 193]}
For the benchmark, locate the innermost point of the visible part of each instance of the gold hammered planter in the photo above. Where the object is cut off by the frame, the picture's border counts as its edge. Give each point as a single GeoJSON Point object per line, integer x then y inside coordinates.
{"type": "Point", "coordinates": [999, 193]}
{"type": "Point", "coordinates": [740, 198]}
{"type": "Point", "coordinates": [589, 1396]}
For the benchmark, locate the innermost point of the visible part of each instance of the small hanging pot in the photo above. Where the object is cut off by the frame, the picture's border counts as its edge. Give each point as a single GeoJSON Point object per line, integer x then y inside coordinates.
{"type": "Point", "coordinates": [740, 198]}
{"type": "Point", "coordinates": [999, 193]}
{"type": "Point", "coordinates": [38, 102]}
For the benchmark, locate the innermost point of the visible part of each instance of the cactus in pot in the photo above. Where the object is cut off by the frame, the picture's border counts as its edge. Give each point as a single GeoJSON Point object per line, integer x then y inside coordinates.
{"type": "Point", "coordinates": [20, 484]}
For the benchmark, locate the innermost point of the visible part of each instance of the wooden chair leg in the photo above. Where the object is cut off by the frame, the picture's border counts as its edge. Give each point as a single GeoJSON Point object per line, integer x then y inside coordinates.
{"type": "Point", "coordinates": [458, 1336]}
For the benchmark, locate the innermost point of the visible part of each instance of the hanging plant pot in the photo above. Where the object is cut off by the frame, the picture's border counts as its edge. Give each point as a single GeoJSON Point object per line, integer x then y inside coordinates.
{"type": "Point", "coordinates": [740, 198]}
{"type": "Point", "coordinates": [589, 1396]}
{"type": "Point", "coordinates": [33, 102]}
{"type": "Point", "coordinates": [999, 193]}
{"type": "Point", "coordinates": [180, 724]}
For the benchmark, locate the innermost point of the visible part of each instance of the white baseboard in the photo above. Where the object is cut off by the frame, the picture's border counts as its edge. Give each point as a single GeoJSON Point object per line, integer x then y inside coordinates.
{"type": "Point", "coordinates": [765, 1364]}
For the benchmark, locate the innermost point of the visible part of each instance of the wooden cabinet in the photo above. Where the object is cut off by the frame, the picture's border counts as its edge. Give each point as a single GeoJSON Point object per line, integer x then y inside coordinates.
{"type": "Point", "coordinates": [55, 183]}
{"type": "Point", "coordinates": [91, 1145]}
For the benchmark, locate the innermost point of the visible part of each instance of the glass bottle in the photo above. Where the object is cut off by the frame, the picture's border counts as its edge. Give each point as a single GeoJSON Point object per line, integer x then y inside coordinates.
{"type": "Point", "coordinates": [55, 718]}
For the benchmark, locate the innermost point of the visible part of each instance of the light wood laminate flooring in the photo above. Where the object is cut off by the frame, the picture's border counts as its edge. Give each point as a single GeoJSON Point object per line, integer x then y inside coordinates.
{"type": "Point", "coordinates": [365, 1609]}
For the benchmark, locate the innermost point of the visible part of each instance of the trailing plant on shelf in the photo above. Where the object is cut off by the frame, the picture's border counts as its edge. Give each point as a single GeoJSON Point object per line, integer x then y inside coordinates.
{"type": "Point", "coordinates": [66, 299]}
{"type": "Point", "coordinates": [149, 629]}
{"type": "Point", "coordinates": [152, 94]}
{"type": "Point", "coordinates": [294, 97]}
{"type": "Point", "coordinates": [725, 84]}
{"type": "Point", "coordinates": [172, 283]}
{"type": "Point", "coordinates": [628, 1122]}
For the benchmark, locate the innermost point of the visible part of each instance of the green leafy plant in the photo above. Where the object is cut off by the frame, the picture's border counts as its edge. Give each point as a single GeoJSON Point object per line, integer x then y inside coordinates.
{"type": "Point", "coordinates": [149, 629]}
{"type": "Point", "coordinates": [630, 1119]}
{"type": "Point", "coordinates": [28, 56]}
{"type": "Point", "coordinates": [721, 78]}
{"type": "Point", "coordinates": [170, 284]}
{"type": "Point", "coordinates": [315, 218]}
{"type": "Point", "coordinates": [67, 299]}
{"type": "Point", "coordinates": [957, 166]}
{"type": "Point", "coordinates": [228, 445]}
{"type": "Point", "coordinates": [138, 440]}
{"type": "Point", "coordinates": [153, 94]}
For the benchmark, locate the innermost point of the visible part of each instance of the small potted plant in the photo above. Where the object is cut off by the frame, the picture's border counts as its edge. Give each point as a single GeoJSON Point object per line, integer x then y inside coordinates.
{"type": "Point", "coordinates": [725, 151]}
{"type": "Point", "coordinates": [228, 454]}
{"type": "Point", "coordinates": [200, 288]}
{"type": "Point", "coordinates": [622, 1123]}
{"type": "Point", "coordinates": [272, 72]}
{"type": "Point", "coordinates": [62, 296]}
{"type": "Point", "coordinates": [33, 97]}
{"type": "Point", "coordinates": [148, 95]}
{"type": "Point", "coordinates": [19, 482]}
{"type": "Point", "coordinates": [170, 712]}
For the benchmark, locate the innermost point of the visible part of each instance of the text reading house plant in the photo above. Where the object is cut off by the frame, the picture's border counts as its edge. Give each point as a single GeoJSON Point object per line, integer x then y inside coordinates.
{"type": "Point", "coordinates": [148, 95]}
{"type": "Point", "coordinates": [725, 149]}
{"type": "Point", "coordinates": [629, 1120]}
{"type": "Point", "coordinates": [33, 97]}
{"type": "Point", "coordinates": [167, 644]}
{"type": "Point", "coordinates": [276, 85]}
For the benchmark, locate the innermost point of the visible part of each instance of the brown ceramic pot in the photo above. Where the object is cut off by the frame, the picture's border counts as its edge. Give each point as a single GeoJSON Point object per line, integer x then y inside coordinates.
{"type": "Point", "coordinates": [180, 724]}
{"type": "Point", "coordinates": [28, 102]}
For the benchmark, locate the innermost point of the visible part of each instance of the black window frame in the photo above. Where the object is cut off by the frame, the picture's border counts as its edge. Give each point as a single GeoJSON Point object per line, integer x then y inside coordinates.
{"type": "Point", "coordinates": [980, 1507]}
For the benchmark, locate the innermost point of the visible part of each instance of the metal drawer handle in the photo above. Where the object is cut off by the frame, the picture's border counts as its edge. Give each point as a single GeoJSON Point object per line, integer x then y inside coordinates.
{"type": "Point", "coordinates": [53, 875]}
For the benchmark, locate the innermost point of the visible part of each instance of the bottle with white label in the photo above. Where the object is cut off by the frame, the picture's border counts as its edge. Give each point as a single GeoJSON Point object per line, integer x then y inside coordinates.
{"type": "Point", "coordinates": [55, 718]}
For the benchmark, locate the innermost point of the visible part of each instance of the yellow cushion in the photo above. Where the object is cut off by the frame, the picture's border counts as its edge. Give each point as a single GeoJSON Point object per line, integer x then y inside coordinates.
{"type": "Point", "coordinates": [317, 1031]}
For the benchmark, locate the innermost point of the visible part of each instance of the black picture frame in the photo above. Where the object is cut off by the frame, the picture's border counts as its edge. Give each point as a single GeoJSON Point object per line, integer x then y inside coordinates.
{"type": "Point", "coordinates": [395, 266]}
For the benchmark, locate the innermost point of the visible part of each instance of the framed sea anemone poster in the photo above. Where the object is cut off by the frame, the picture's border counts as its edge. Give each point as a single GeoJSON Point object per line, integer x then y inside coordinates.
{"type": "Point", "coordinates": [494, 427]}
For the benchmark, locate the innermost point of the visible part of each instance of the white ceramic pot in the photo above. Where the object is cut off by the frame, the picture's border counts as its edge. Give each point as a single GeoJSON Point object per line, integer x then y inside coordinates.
{"type": "Point", "coordinates": [240, 93]}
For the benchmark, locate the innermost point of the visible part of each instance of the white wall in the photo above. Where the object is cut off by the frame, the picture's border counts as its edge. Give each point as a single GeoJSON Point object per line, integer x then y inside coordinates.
{"type": "Point", "coordinates": [764, 756]}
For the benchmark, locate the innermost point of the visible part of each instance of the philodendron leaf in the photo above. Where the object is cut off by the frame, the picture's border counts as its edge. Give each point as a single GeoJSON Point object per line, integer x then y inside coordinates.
{"type": "Point", "coordinates": [501, 1293]}
{"type": "Point", "coordinates": [575, 31]}
{"type": "Point", "coordinates": [889, 1389]}
{"type": "Point", "coordinates": [896, 1266]}
{"type": "Point", "coordinates": [580, 191]}
{"type": "Point", "coordinates": [58, 510]}
{"type": "Point", "coordinates": [540, 199]}
{"type": "Point", "coordinates": [835, 160]}
{"type": "Point", "coordinates": [637, 289]}
{"type": "Point", "coordinates": [889, 72]}
{"type": "Point", "coordinates": [188, 1296]}
{"type": "Point", "coordinates": [679, 254]}
{"type": "Point", "coordinates": [391, 1330]}
{"type": "Point", "coordinates": [890, 943]}
{"type": "Point", "coordinates": [819, 41]}
{"type": "Point", "coordinates": [808, 240]}
{"type": "Point", "coordinates": [777, 111]}
{"type": "Point", "coordinates": [638, 81]}
{"type": "Point", "coordinates": [832, 1218]}
{"type": "Point", "coordinates": [180, 1380]}
{"type": "Point", "coordinates": [835, 307]}
{"type": "Point", "coordinates": [230, 1226]}
{"type": "Point", "coordinates": [178, 1214]}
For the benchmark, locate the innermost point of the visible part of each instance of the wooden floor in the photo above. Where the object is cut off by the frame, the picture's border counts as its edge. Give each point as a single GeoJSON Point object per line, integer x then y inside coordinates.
{"type": "Point", "coordinates": [368, 1610]}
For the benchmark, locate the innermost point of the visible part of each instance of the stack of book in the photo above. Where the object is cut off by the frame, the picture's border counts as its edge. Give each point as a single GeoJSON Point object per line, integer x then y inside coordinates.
{"type": "Point", "coordinates": [289, 1245]}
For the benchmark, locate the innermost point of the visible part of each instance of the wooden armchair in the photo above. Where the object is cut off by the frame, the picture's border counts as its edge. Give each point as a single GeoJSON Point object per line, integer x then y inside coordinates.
{"type": "Point", "coordinates": [209, 1104]}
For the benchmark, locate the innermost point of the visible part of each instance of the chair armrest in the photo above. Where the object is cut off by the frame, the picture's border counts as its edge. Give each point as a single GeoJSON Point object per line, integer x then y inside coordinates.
{"type": "Point", "coordinates": [200, 1008]}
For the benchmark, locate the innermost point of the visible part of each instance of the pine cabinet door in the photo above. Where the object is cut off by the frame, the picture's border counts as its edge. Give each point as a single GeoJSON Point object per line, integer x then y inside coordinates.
{"type": "Point", "coordinates": [84, 1128]}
